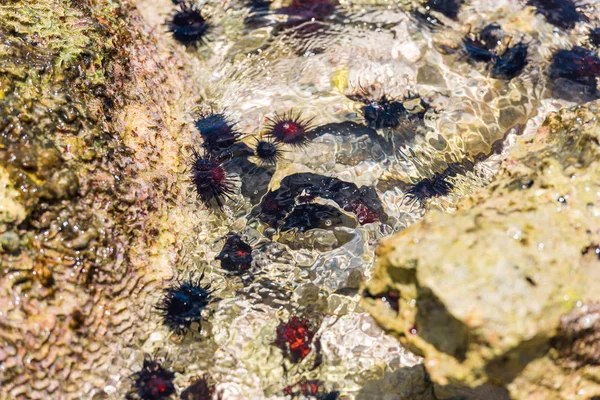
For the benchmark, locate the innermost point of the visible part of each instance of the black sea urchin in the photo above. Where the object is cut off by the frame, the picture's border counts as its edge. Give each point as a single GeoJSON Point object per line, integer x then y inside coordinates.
{"type": "Point", "coordinates": [201, 389]}
{"type": "Point", "coordinates": [383, 113]}
{"type": "Point", "coordinates": [594, 37]}
{"type": "Point", "coordinates": [561, 13]}
{"type": "Point", "coordinates": [289, 128]}
{"type": "Point", "coordinates": [428, 188]}
{"type": "Point", "coordinates": [512, 62]}
{"type": "Point", "coordinates": [183, 303]}
{"type": "Point", "coordinates": [481, 48]}
{"type": "Point", "coordinates": [153, 382]}
{"type": "Point", "coordinates": [210, 179]}
{"type": "Point", "coordinates": [188, 26]}
{"type": "Point", "coordinates": [449, 8]}
{"type": "Point", "coordinates": [236, 255]}
{"type": "Point", "coordinates": [268, 151]}
{"type": "Point", "coordinates": [217, 132]}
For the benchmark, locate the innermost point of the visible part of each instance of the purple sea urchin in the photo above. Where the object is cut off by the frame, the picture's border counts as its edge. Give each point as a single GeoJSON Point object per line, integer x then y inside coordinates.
{"type": "Point", "coordinates": [289, 128]}
{"type": "Point", "coordinates": [577, 64]}
{"type": "Point", "coordinates": [153, 382]}
{"type": "Point", "coordinates": [295, 337]}
{"type": "Point", "coordinates": [187, 25]}
{"type": "Point", "coordinates": [183, 303]}
{"type": "Point", "coordinates": [210, 179]}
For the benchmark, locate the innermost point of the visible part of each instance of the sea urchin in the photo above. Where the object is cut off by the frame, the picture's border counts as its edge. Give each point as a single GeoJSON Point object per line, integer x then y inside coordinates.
{"type": "Point", "coordinates": [268, 151]}
{"type": "Point", "coordinates": [428, 188]}
{"type": "Point", "coordinates": [217, 132]}
{"type": "Point", "coordinates": [183, 303]}
{"type": "Point", "coordinates": [153, 382]}
{"type": "Point", "coordinates": [188, 26]}
{"type": "Point", "coordinates": [236, 255]}
{"type": "Point", "coordinates": [294, 338]}
{"type": "Point", "coordinates": [289, 128]}
{"type": "Point", "coordinates": [210, 179]}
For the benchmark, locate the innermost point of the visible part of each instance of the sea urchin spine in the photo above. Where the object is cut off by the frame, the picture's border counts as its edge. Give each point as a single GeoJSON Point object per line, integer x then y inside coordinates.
{"type": "Point", "coordinates": [289, 128]}
{"type": "Point", "coordinates": [188, 26]}
{"type": "Point", "coordinates": [183, 303]}
{"type": "Point", "coordinates": [210, 179]}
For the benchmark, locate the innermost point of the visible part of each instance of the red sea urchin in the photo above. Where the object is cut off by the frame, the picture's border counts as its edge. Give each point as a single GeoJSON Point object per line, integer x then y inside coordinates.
{"type": "Point", "coordinates": [294, 338]}
{"type": "Point", "coordinates": [210, 179]}
{"type": "Point", "coordinates": [153, 382]}
{"type": "Point", "coordinates": [236, 255]}
{"type": "Point", "coordinates": [289, 128]}
{"type": "Point", "coordinates": [183, 303]}
{"type": "Point", "coordinates": [187, 25]}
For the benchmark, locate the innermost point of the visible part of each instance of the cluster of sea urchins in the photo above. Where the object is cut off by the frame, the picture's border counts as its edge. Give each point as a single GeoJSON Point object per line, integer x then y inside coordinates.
{"type": "Point", "coordinates": [220, 139]}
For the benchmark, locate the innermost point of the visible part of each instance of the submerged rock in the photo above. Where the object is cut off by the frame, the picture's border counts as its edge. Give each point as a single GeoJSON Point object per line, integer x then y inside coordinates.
{"type": "Point", "coordinates": [482, 292]}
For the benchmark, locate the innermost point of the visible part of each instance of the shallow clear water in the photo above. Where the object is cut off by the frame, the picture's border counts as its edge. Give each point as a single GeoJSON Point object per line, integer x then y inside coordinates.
{"type": "Point", "coordinates": [252, 72]}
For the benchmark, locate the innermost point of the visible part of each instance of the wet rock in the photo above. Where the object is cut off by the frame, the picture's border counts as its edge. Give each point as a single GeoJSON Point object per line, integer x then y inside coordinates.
{"type": "Point", "coordinates": [10, 242]}
{"type": "Point", "coordinates": [482, 292]}
{"type": "Point", "coordinates": [63, 184]}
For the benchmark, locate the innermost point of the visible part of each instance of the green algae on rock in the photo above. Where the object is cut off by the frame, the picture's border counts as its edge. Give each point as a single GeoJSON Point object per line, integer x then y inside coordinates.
{"type": "Point", "coordinates": [482, 292]}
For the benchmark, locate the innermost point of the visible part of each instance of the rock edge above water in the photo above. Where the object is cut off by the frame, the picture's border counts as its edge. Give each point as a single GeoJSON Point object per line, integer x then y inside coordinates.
{"type": "Point", "coordinates": [482, 292]}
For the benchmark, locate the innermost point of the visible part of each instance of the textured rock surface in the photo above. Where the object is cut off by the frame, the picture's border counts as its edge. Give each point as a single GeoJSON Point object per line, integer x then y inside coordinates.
{"type": "Point", "coordinates": [79, 223]}
{"type": "Point", "coordinates": [482, 292]}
